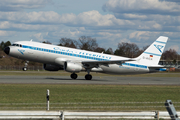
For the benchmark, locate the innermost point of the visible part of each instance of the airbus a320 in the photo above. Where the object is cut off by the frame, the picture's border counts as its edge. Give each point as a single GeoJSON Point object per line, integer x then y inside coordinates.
{"type": "Point", "coordinates": [72, 60]}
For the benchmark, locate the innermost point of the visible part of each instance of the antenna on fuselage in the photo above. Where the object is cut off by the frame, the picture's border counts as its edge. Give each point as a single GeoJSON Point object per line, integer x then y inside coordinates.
{"type": "Point", "coordinates": [31, 40]}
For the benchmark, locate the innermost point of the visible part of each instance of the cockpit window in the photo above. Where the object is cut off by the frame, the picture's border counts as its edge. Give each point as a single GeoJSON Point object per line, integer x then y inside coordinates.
{"type": "Point", "coordinates": [19, 45]}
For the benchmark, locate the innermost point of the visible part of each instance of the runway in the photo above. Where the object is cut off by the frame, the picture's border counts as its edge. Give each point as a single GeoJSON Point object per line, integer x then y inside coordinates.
{"type": "Point", "coordinates": [107, 80]}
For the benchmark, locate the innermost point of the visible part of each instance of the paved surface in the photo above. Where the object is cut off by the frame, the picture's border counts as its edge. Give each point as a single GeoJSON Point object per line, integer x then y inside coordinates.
{"type": "Point", "coordinates": [96, 80]}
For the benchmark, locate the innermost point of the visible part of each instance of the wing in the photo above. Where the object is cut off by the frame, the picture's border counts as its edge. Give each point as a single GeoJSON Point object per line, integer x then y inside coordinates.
{"type": "Point", "coordinates": [91, 64]}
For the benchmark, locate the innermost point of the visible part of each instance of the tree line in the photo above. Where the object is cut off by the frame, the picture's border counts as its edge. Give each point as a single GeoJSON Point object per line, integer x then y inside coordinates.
{"type": "Point", "coordinates": [125, 49]}
{"type": "Point", "coordinates": [90, 44]}
{"type": "Point", "coordinates": [4, 44]}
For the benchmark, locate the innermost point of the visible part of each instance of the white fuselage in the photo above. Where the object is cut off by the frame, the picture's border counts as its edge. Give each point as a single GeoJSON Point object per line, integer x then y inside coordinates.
{"type": "Point", "coordinates": [45, 53]}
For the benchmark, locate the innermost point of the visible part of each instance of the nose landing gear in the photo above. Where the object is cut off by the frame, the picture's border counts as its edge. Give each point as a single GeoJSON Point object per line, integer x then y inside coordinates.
{"type": "Point", "coordinates": [25, 66]}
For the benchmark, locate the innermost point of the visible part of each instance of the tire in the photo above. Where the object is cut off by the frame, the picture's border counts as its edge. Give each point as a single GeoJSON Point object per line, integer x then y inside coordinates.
{"type": "Point", "coordinates": [24, 68]}
{"type": "Point", "coordinates": [88, 77]}
{"type": "Point", "coordinates": [74, 76]}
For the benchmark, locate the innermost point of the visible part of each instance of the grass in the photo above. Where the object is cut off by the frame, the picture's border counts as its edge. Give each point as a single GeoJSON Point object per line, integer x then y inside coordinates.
{"type": "Point", "coordinates": [86, 96]}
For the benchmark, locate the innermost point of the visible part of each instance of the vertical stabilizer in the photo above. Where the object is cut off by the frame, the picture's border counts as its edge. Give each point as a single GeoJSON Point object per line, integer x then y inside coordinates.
{"type": "Point", "coordinates": [152, 54]}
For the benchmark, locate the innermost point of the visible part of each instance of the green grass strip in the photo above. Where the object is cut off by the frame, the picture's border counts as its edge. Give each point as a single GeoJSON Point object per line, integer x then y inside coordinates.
{"type": "Point", "coordinates": [112, 97]}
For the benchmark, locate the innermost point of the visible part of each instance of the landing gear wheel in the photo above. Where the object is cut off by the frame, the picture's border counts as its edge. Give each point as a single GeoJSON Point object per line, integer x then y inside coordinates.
{"type": "Point", "coordinates": [74, 76]}
{"type": "Point", "coordinates": [25, 65]}
{"type": "Point", "coordinates": [88, 77]}
{"type": "Point", "coordinates": [24, 68]}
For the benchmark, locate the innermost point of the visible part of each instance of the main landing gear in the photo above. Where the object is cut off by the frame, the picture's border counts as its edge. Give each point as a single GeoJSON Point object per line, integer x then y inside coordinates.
{"type": "Point", "coordinates": [74, 76]}
{"type": "Point", "coordinates": [87, 77]}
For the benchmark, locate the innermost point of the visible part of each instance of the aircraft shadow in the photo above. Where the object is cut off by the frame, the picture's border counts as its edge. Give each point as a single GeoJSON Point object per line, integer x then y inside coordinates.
{"type": "Point", "coordinates": [73, 79]}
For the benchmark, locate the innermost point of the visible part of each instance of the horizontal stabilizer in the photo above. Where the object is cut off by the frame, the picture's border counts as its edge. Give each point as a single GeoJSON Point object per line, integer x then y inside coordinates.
{"type": "Point", "coordinates": [160, 66]}
{"type": "Point", "coordinates": [156, 66]}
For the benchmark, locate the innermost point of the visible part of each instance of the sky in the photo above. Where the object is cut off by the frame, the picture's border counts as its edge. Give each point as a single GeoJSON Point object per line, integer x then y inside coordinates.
{"type": "Point", "coordinates": [109, 21]}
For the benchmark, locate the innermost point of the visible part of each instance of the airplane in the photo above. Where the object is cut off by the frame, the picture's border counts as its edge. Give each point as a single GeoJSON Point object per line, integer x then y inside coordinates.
{"type": "Point", "coordinates": [72, 60]}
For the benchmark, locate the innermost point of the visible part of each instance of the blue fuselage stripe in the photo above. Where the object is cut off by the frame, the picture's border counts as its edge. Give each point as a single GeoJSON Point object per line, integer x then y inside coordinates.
{"type": "Point", "coordinates": [64, 53]}
{"type": "Point", "coordinates": [135, 65]}
{"type": "Point", "coordinates": [80, 56]}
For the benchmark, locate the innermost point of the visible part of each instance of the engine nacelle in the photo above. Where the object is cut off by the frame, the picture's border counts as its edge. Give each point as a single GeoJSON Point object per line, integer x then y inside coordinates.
{"type": "Point", "coordinates": [50, 67]}
{"type": "Point", "coordinates": [72, 67]}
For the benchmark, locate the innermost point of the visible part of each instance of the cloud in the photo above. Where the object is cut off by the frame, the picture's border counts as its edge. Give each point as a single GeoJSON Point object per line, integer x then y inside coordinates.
{"type": "Point", "coordinates": [18, 5]}
{"type": "Point", "coordinates": [86, 19]}
{"type": "Point", "coordinates": [40, 36]}
{"type": "Point", "coordinates": [137, 21]}
{"type": "Point", "coordinates": [175, 47]}
{"type": "Point", "coordinates": [139, 35]}
{"type": "Point", "coordinates": [90, 20]}
{"type": "Point", "coordinates": [10, 26]}
{"type": "Point", "coordinates": [146, 15]}
{"type": "Point", "coordinates": [176, 1]}
{"type": "Point", "coordinates": [130, 16]}
{"type": "Point", "coordinates": [30, 18]}
{"type": "Point", "coordinates": [5, 33]}
{"type": "Point", "coordinates": [142, 7]}
{"type": "Point", "coordinates": [151, 35]}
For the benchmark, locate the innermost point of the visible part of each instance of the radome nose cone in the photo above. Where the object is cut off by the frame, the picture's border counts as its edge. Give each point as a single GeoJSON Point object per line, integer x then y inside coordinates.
{"type": "Point", "coordinates": [7, 50]}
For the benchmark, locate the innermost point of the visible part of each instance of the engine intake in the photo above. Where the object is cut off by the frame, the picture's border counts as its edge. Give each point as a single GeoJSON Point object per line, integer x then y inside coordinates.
{"type": "Point", "coordinates": [72, 67]}
{"type": "Point", "coordinates": [50, 67]}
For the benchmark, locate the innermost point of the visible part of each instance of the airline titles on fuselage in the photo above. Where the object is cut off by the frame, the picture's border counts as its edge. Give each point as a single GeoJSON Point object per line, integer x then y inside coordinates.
{"type": "Point", "coordinates": [82, 53]}
{"type": "Point", "coordinates": [70, 52]}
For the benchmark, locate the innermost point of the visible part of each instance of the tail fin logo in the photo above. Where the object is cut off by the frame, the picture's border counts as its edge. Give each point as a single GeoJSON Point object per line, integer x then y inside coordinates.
{"type": "Point", "coordinates": [159, 47]}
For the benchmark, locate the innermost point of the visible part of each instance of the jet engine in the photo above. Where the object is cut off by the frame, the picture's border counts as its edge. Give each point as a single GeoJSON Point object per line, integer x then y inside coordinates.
{"type": "Point", "coordinates": [72, 67]}
{"type": "Point", "coordinates": [50, 67]}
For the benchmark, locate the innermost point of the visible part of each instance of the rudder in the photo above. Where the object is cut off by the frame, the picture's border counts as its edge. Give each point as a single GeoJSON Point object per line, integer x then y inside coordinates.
{"type": "Point", "coordinates": [152, 54]}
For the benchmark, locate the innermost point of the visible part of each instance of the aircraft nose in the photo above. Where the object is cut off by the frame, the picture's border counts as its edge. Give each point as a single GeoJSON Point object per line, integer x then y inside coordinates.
{"type": "Point", "coordinates": [7, 50]}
